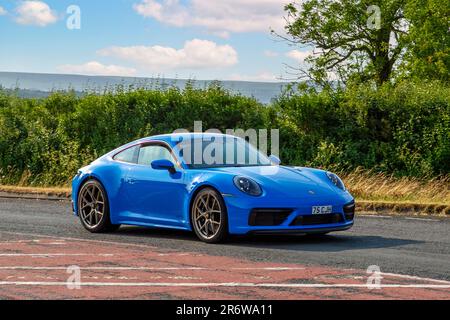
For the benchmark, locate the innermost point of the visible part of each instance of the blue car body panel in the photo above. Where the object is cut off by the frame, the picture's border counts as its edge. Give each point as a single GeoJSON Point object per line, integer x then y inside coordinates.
{"type": "Point", "coordinates": [143, 196]}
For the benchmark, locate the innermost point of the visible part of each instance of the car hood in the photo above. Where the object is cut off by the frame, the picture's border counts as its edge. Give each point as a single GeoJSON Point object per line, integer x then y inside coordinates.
{"type": "Point", "coordinates": [286, 181]}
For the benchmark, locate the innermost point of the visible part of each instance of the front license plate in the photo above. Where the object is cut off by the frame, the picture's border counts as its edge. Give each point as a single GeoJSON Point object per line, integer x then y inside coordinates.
{"type": "Point", "coordinates": [322, 209]}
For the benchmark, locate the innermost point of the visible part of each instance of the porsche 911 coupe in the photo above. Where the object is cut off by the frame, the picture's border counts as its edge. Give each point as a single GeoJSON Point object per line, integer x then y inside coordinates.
{"type": "Point", "coordinates": [212, 184]}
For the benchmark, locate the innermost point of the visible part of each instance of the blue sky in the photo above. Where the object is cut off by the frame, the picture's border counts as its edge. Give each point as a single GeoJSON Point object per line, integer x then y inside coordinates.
{"type": "Point", "coordinates": [201, 39]}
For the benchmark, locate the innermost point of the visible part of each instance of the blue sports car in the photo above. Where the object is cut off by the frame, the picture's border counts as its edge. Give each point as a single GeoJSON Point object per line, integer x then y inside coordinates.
{"type": "Point", "coordinates": [211, 184]}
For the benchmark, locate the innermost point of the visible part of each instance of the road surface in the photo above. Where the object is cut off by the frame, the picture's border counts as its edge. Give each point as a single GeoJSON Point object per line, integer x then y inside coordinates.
{"type": "Point", "coordinates": [40, 239]}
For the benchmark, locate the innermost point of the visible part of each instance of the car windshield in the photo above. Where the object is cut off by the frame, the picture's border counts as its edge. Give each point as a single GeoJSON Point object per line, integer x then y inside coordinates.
{"type": "Point", "coordinates": [219, 152]}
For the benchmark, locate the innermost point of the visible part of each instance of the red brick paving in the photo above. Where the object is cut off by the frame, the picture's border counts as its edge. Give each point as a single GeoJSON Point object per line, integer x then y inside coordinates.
{"type": "Point", "coordinates": [36, 268]}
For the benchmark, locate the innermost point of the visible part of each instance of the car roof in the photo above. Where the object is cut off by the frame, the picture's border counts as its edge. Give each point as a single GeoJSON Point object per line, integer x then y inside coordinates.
{"type": "Point", "coordinates": [176, 137]}
{"type": "Point", "coordinates": [171, 139]}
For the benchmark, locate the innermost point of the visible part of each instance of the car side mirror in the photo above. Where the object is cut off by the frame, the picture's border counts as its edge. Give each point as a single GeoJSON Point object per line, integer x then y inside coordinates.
{"type": "Point", "coordinates": [275, 160]}
{"type": "Point", "coordinates": [164, 165]}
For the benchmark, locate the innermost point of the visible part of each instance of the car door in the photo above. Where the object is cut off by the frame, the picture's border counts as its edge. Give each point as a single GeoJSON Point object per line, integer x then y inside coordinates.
{"type": "Point", "coordinates": [155, 196]}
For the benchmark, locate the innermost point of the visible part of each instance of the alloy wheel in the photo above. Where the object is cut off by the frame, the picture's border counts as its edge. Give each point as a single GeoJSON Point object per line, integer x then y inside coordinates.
{"type": "Point", "coordinates": [92, 205]}
{"type": "Point", "coordinates": [207, 214]}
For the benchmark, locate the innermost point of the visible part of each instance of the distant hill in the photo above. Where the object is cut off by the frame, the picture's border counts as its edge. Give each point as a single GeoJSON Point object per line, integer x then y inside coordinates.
{"type": "Point", "coordinates": [25, 93]}
{"type": "Point", "coordinates": [40, 85]}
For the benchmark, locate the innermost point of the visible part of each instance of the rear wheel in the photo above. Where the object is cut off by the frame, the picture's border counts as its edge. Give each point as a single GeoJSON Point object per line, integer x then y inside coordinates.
{"type": "Point", "coordinates": [209, 216]}
{"type": "Point", "coordinates": [93, 208]}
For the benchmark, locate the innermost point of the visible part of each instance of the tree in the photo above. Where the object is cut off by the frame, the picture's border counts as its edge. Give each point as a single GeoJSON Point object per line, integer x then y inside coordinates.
{"type": "Point", "coordinates": [428, 54]}
{"type": "Point", "coordinates": [363, 39]}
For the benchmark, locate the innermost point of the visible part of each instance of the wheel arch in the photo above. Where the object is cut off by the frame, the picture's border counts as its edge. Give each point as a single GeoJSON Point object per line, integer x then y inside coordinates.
{"type": "Point", "coordinates": [194, 194]}
{"type": "Point", "coordinates": [83, 181]}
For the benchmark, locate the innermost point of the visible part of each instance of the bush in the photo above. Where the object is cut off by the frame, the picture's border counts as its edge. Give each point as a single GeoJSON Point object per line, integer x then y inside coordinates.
{"type": "Point", "coordinates": [44, 141]}
{"type": "Point", "coordinates": [404, 130]}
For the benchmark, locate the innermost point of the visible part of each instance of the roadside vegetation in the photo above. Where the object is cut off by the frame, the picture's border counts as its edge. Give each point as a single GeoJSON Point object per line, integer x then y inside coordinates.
{"type": "Point", "coordinates": [382, 187]}
{"type": "Point", "coordinates": [390, 143]}
{"type": "Point", "coordinates": [383, 123]}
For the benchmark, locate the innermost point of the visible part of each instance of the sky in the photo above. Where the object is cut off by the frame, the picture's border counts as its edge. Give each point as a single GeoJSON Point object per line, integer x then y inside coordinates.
{"type": "Point", "coordinates": [184, 39]}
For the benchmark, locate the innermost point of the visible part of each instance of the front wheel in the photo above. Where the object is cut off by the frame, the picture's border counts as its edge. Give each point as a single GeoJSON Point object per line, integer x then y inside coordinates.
{"type": "Point", "coordinates": [93, 208]}
{"type": "Point", "coordinates": [209, 216]}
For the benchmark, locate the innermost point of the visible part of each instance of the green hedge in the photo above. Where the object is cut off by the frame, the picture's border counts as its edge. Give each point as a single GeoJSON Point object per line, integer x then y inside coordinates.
{"type": "Point", "coordinates": [403, 130]}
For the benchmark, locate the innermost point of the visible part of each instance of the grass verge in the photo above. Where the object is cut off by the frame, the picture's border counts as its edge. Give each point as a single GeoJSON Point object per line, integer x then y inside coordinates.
{"type": "Point", "coordinates": [387, 188]}
{"type": "Point", "coordinates": [63, 192]}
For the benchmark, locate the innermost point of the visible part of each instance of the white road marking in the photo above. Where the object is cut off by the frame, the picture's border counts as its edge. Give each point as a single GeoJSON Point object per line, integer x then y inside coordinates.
{"type": "Point", "coordinates": [54, 242]}
{"type": "Point", "coordinates": [374, 216]}
{"type": "Point", "coordinates": [147, 268]}
{"type": "Point", "coordinates": [126, 244]}
{"type": "Point", "coordinates": [102, 268]}
{"type": "Point", "coordinates": [413, 277]}
{"type": "Point", "coordinates": [206, 269]}
{"type": "Point", "coordinates": [390, 217]}
{"type": "Point", "coordinates": [178, 268]}
{"type": "Point", "coordinates": [54, 254]}
{"type": "Point", "coordinates": [270, 268]}
{"type": "Point", "coordinates": [19, 241]}
{"type": "Point", "coordinates": [421, 219]}
{"type": "Point", "coordinates": [179, 254]}
{"type": "Point", "coordinates": [221, 284]}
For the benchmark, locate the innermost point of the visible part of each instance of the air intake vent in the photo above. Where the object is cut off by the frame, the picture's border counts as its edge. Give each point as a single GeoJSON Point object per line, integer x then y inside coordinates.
{"type": "Point", "coordinates": [268, 217]}
{"type": "Point", "coordinates": [349, 211]}
{"type": "Point", "coordinates": [317, 219]}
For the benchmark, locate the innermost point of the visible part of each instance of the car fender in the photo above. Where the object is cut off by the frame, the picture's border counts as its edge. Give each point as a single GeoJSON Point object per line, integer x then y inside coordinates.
{"type": "Point", "coordinates": [107, 175]}
{"type": "Point", "coordinates": [221, 182]}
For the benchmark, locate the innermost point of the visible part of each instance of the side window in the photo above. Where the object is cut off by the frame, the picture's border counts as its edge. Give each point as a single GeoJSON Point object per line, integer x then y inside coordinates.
{"type": "Point", "coordinates": [149, 153]}
{"type": "Point", "coordinates": [128, 155]}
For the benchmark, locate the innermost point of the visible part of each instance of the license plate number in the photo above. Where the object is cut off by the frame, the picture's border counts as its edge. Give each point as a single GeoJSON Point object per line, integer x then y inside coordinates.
{"type": "Point", "coordinates": [322, 209]}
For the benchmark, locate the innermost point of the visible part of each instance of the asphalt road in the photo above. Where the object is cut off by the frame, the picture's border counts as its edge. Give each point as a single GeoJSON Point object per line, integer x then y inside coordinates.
{"type": "Point", "coordinates": [401, 245]}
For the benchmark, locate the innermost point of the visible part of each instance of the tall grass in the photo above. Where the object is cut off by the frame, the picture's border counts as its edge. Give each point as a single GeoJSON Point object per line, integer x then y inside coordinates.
{"type": "Point", "coordinates": [365, 185]}
{"type": "Point", "coordinates": [380, 186]}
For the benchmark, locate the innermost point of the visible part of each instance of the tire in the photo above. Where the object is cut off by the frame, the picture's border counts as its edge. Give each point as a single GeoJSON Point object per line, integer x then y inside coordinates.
{"type": "Point", "coordinates": [209, 217]}
{"type": "Point", "coordinates": [93, 208]}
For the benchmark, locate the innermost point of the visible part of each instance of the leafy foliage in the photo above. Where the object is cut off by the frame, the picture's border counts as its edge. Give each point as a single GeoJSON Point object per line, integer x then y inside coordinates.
{"type": "Point", "coordinates": [376, 40]}
{"type": "Point", "coordinates": [403, 130]}
{"type": "Point", "coordinates": [428, 56]}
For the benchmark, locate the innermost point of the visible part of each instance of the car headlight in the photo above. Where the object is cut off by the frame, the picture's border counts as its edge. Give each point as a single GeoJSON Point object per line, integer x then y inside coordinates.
{"type": "Point", "coordinates": [247, 186]}
{"type": "Point", "coordinates": [336, 181]}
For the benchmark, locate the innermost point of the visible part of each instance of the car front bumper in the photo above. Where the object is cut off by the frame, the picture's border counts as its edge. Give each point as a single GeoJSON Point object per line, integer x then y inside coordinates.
{"type": "Point", "coordinates": [240, 209]}
{"type": "Point", "coordinates": [303, 231]}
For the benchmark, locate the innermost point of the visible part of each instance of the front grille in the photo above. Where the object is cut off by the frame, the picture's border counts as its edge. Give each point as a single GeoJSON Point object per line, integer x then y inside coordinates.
{"type": "Point", "coordinates": [268, 217]}
{"type": "Point", "coordinates": [349, 211]}
{"type": "Point", "coordinates": [317, 219]}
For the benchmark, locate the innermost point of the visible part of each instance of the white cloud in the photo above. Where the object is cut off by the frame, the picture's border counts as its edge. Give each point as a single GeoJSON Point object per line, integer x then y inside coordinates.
{"type": "Point", "coordinates": [95, 68]}
{"type": "Point", "coordinates": [260, 77]}
{"type": "Point", "coordinates": [299, 56]}
{"type": "Point", "coordinates": [2, 11]}
{"type": "Point", "coordinates": [195, 54]}
{"type": "Point", "coordinates": [219, 17]}
{"type": "Point", "coordinates": [35, 13]}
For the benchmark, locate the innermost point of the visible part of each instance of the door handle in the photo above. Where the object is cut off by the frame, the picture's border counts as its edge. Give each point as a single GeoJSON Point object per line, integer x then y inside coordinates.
{"type": "Point", "coordinates": [130, 180]}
